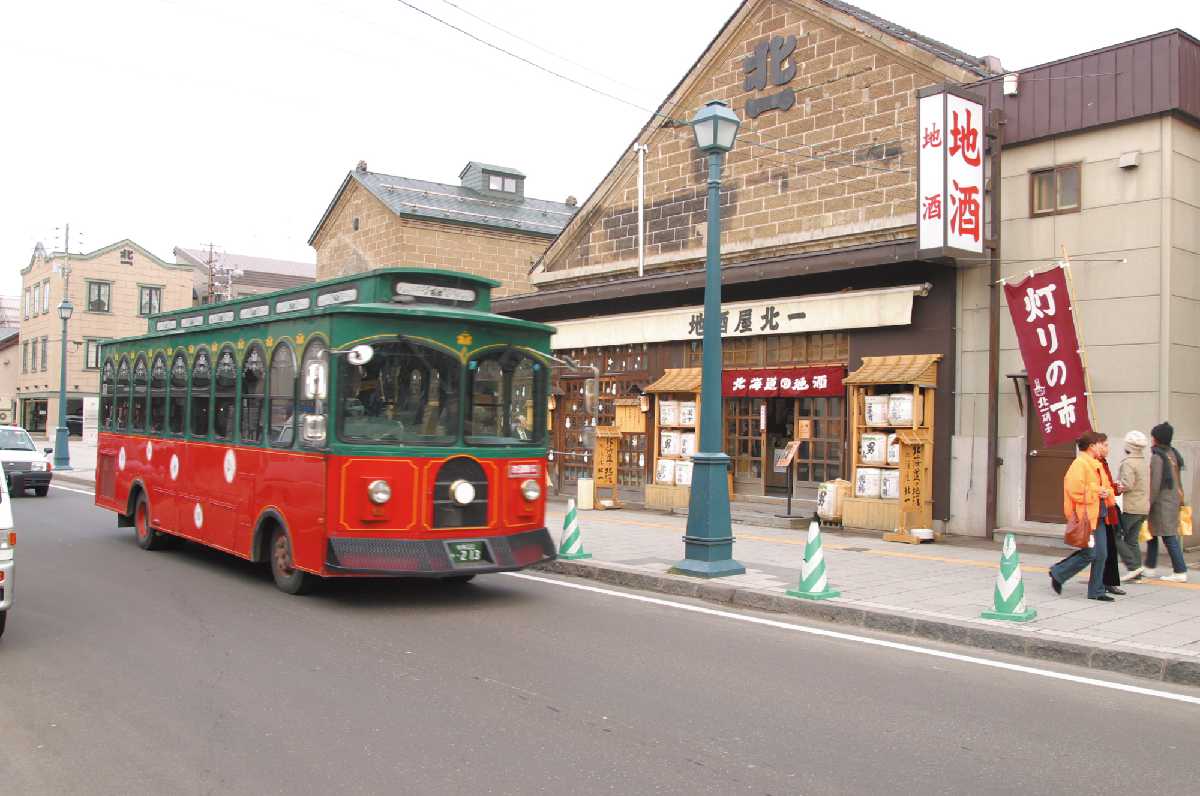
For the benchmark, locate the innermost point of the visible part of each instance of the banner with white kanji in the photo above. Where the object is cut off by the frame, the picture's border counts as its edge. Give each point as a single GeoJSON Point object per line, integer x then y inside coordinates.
{"type": "Point", "coordinates": [1044, 320]}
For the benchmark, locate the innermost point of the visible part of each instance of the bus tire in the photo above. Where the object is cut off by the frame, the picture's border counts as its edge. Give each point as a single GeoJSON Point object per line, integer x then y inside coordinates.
{"type": "Point", "coordinates": [456, 579]}
{"type": "Point", "coordinates": [147, 537]}
{"type": "Point", "coordinates": [287, 577]}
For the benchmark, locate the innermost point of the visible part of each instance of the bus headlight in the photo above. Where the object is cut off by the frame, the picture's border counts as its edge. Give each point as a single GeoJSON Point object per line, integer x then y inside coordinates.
{"type": "Point", "coordinates": [463, 492]}
{"type": "Point", "coordinates": [379, 491]}
{"type": "Point", "coordinates": [531, 490]}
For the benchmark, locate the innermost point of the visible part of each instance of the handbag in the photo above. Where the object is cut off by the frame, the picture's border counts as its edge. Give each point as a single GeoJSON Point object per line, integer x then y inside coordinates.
{"type": "Point", "coordinates": [1144, 534]}
{"type": "Point", "coordinates": [1077, 534]}
{"type": "Point", "coordinates": [1185, 511]}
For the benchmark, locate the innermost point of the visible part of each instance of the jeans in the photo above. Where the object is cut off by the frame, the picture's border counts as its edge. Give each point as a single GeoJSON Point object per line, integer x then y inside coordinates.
{"type": "Point", "coordinates": [1127, 540]}
{"type": "Point", "coordinates": [1095, 555]}
{"type": "Point", "coordinates": [1173, 548]}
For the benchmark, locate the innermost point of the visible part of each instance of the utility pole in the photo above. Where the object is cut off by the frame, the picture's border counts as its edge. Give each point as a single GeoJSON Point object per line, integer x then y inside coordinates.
{"type": "Point", "coordinates": [62, 448]}
{"type": "Point", "coordinates": [209, 264]}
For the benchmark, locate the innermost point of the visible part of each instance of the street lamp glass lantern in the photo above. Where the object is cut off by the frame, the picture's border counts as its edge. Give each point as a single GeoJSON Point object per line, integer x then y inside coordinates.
{"type": "Point", "coordinates": [716, 127]}
{"type": "Point", "coordinates": [65, 309]}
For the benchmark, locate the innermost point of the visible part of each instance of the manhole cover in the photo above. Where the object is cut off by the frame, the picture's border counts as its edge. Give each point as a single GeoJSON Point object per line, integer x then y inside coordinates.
{"type": "Point", "coordinates": [857, 549]}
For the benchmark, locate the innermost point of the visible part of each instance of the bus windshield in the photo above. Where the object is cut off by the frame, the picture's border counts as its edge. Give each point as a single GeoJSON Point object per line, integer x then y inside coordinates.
{"type": "Point", "coordinates": [407, 393]}
{"type": "Point", "coordinates": [506, 391]}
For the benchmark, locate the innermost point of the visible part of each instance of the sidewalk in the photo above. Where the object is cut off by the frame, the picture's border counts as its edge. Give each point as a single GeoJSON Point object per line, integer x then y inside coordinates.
{"type": "Point", "coordinates": [83, 465]}
{"type": "Point", "coordinates": [932, 590]}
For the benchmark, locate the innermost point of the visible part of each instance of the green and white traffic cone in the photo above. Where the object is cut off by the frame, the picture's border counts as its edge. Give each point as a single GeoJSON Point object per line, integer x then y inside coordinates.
{"type": "Point", "coordinates": [570, 546]}
{"type": "Point", "coordinates": [1010, 591]}
{"type": "Point", "coordinates": [813, 583]}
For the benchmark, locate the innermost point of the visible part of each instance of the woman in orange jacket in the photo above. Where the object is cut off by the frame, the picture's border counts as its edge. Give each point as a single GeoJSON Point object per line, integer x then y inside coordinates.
{"type": "Point", "coordinates": [1084, 497]}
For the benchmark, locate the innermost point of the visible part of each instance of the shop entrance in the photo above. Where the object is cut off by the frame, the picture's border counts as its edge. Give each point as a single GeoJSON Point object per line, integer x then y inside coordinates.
{"type": "Point", "coordinates": [781, 426]}
{"type": "Point", "coordinates": [756, 429]}
{"type": "Point", "coordinates": [1044, 471]}
{"type": "Point", "coordinates": [33, 415]}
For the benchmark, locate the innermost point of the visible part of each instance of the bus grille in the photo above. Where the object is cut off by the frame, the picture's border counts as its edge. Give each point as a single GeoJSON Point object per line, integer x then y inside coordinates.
{"type": "Point", "coordinates": [447, 513]}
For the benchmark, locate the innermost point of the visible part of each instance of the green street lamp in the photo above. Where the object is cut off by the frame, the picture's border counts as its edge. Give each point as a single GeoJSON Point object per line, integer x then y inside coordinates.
{"type": "Point", "coordinates": [708, 545]}
{"type": "Point", "coordinates": [62, 449]}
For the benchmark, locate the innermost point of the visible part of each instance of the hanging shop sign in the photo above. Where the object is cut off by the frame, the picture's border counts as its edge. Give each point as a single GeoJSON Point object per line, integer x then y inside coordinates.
{"type": "Point", "coordinates": [782, 382]}
{"type": "Point", "coordinates": [1043, 317]}
{"type": "Point", "coordinates": [950, 146]}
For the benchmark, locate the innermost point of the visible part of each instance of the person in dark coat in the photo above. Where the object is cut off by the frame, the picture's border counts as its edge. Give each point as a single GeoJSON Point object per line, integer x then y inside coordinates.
{"type": "Point", "coordinates": [1166, 498]}
{"type": "Point", "coordinates": [1111, 519]}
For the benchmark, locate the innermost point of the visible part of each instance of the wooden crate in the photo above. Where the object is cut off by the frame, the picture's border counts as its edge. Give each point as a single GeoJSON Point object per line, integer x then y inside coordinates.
{"type": "Point", "coordinates": [870, 513]}
{"type": "Point", "coordinates": [666, 497]}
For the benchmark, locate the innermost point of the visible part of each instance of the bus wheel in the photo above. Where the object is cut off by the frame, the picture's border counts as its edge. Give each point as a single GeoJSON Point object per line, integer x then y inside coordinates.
{"type": "Point", "coordinates": [147, 537]}
{"type": "Point", "coordinates": [458, 579]}
{"type": "Point", "coordinates": [287, 577]}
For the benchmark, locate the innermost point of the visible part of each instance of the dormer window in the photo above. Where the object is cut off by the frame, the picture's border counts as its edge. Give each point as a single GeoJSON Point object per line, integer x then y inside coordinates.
{"type": "Point", "coordinates": [497, 182]}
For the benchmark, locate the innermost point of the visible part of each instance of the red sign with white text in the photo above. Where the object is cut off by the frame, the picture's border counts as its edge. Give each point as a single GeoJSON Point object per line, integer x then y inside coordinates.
{"type": "Point", "coordinates": [1042, 315]}
{"type": "Point", "coordinates": [782, 382]}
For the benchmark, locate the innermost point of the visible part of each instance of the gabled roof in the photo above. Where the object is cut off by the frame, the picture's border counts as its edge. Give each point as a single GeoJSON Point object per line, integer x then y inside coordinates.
{"type": "Point", "coordinates": [199, 257]}
{"type": "Point", "coordinates": [121, 244]}
{"type": "Point", "coordinates": [9, 337]}
{"type": "Point", "coordinates": [943, 51]}
{"type": "Point", "coordinates": [437, 201]}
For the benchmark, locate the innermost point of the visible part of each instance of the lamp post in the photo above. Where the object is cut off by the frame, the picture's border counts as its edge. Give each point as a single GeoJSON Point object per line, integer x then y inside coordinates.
{"type": "Point", "coordinates": [708, 545]}
{"type": "Point", "coordinates": [62, 449]}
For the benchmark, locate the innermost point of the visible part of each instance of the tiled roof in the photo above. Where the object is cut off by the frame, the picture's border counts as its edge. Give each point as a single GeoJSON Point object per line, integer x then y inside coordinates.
{"type": "Point", "coordinates": [920, 369]}
{"type": "Point", "coordinates": [269, 281]}
{"type": "Point", "coordinates": [490, 167]}
{"type": "Point", "coordinates": [943, 51]}
{"type": "Point", "coordinates": [441, 202]}
{"type": "Point", "coordinates": [247, 263]}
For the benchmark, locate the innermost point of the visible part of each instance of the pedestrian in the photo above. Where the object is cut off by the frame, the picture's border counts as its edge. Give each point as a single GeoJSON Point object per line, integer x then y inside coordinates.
{"type": "Point", "coordinates": [1110, 515]}
{"type": "Point", "coordinates": [1166, 498]}
{"type": "Point", "coordinates": [1084, 494]}
{"type": "Point", "coordinates": [1134, 479]}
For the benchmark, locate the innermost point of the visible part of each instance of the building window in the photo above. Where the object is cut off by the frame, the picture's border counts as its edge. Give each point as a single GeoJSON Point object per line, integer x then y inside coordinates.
{"type": "Point", "coordinates": [354, 223]}
{"type": "Point", "coordinates": [36, 307]}
{"type": "Point", "coordinates": [92, 353]}
{"type": "Point", "coordinates": [497, 182]}
{"type": "Point", "coordinates": [99, 297]}
{"type": "Point", "coordinates": [25, 357]}
{"type": "Point", "coordinates": [149, 300]}
{"type": "Point", "coordinates": [46, 296]}
{"type": "Point", "coordinates": [1055, 190]}
{"type": "Point", "coordinates": [45, 342]}
{"type": "Point", "coordinates": [33, 357]}
{"type": "Point", "coordinates": [27, 303]}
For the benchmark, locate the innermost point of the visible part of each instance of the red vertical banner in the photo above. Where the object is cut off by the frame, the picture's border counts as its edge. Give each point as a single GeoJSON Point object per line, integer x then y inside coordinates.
{"type": "Point", "coordinates": [1043, 318]}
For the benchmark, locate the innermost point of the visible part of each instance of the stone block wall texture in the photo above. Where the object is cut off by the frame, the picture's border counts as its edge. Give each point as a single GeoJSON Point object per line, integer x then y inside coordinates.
{"type": "Point", "coordinates": [386, 239]}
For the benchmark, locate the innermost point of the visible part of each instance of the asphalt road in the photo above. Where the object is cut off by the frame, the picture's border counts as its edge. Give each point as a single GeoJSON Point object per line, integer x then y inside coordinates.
{"type": "Point", "coordinates": [186, 671]}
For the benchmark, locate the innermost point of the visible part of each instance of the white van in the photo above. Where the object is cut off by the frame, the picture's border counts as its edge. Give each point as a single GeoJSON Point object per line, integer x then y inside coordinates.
{"type": "Point", "coordinates": [8, 540]}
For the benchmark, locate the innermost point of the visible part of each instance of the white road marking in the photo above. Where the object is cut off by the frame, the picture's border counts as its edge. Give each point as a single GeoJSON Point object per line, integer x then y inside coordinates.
{"type": "Point", "coordinates": [69, 489]}
{"type": "Point", "coordinates": [874, 642]}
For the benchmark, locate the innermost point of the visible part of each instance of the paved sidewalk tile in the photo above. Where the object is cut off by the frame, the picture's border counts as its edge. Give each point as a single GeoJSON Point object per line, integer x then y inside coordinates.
{"type": "Point", "coordinates": [953, 580]}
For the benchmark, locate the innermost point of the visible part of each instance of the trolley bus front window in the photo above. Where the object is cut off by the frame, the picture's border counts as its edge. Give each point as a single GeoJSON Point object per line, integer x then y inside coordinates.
{"type": "Point", "coordinates": [406, 394]}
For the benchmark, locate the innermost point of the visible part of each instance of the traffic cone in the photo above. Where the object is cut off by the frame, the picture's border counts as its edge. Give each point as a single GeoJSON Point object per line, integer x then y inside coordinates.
{"type": "Point", "coordinates": [570, 546]}
{"type": "Point", "coordinates": [1010, 591]}
{"type": "Point", "coordinates": [813, 583]}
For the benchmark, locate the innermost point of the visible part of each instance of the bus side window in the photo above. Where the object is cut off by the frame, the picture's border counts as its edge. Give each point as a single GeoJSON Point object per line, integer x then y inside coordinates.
{"type": "Point", "coordinates": [178, 395]}
{"type": "Point", "coordinates": [108, 383]}
{"type": "Point", "coordinates": [141, 384]}
{"type": "Point", "coordinates": [158, 394]}
{"type": "Point", "coordinates": [201, 391]}
{"type": "Point", "coordinates": [225, 399]}
{"type": "Point", "coordinates": [123, 384]}
{"type": "Point", "coordinates": [314, 394]}
{"type": "Point", "coordinates": [253, 394]}
{"type": "Point", "coordinates": [282, 410]}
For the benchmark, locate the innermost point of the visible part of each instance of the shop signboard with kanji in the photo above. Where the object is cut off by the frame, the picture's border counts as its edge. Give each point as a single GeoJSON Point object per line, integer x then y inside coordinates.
{"type": "Point", "coordinates": [782, 382]}
{"type": "Point", "coordinates": [1043, 317]}
{"type": "Point", "coordinates": [950, 191]}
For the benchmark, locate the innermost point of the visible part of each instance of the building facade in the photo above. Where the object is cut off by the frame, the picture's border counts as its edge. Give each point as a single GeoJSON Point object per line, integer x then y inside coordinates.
{"type": "Point", "coordinates": [819, 258]}
{"type": "Point", "coordinates": [485, 225]}
{"type": "Point", "coordinates": [112, 289]}
{"type": "Point", "coordinates": [10, 368]}
{"type": "Point", "coordinates": [221, 276]}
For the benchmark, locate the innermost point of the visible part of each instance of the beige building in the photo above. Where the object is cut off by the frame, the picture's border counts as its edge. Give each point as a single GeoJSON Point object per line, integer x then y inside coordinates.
{"type": "Point", "coordinates": [485, 225]}
{"type": "Point", "coordinates": [10, 368]}
{"type": "Point", "coordinates": [1109, 168]}
{"type": "Point", "coordinates": [220, 276]}
{"type": "Point", "coordinates": [113, 289]}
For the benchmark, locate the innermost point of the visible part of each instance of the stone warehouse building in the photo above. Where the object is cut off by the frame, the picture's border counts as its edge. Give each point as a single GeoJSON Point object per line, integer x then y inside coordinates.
{"type": "Point", "coordinates": [113, 289]}
{"type": "Point", "coordinates": [485, 225]}
{"type": "Point", "coordinates": [820, 259]}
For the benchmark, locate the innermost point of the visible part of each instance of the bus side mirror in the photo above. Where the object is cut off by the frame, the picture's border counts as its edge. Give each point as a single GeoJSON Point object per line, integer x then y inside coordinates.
{"type": "Point", "coordinates": [589, 396]}
{"type": "Point", "coordinates": [360, 355]}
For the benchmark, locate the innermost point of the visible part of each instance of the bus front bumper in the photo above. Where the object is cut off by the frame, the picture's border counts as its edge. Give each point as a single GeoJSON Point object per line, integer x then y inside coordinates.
{"type": "Point", "coordinates": [431, 558]}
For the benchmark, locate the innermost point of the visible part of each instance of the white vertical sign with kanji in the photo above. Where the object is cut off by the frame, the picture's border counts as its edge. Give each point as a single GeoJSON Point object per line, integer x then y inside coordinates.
{"type": "Point", "coordinates": [950, 145]}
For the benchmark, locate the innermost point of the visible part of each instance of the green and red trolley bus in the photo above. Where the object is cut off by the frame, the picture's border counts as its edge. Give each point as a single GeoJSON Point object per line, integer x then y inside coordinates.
{"type": "Point", "coordinates": [386, 423]}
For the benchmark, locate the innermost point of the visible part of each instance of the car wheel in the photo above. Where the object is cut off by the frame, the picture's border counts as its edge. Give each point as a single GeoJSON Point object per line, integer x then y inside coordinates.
{"type": "Point", "coordinates": [3, 619]}
{"type": "Point", "coordinates": [287, 577]}
{"type": "Point", "coordinates": [147, 537]}
{"type": "Point", "coordinates": [41, 491]}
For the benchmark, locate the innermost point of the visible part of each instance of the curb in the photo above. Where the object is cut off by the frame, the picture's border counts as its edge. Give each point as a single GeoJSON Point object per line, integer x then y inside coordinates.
{"type": "Point", "coordinates": [74, 480]}
{"type": "Point", "coordinates": [1164, 668]}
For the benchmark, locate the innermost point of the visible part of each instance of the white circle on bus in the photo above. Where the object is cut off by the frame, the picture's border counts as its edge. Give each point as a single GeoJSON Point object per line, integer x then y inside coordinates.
{"type": "Point", "coordinates": [198, 516]}
{"type": "Point", "coordinates": [230, 466]}
{"type": "Point", "coordinates": [121, 458]}
{"type": "Point", "coordinates": [174, 466]}
{"type": "Point", "coordinates": [149, 451]}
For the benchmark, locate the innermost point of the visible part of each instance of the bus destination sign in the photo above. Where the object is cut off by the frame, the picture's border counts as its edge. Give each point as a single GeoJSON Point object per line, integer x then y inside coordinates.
{"type": "Point", "coordinates": [434, 292]}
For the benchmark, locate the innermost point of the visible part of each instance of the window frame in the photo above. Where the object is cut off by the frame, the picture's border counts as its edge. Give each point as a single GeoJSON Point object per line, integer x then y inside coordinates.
{"type": "Point", "coordinates": [37, 299]}
{"type": "Point", "coordinates": [28, 302]}
{"type": "Point", "coordinates": [1056, 171]}
{"type": "Point", "coordinates": [91, 345]}
{"type": "Point", "coordinates": [179, 353]}
{"type": "Point", "coordinates": [143, 291]}
{"type": "Point", "coordinates": [33, 355]}
{"type": "Point", "coordinates": [46, 296]}
{"type": "Point", "coordinates": [158, 394]}
{"type": "Point", "coordinates": [139, 394]}
{"type": "Point", "coordinates": [24, 356]}
{"type": "Point", "coordinates": [233, 426]}
{"type": "Point", "coordinates": [190, 432]}
{"type": "Point", "coordinates": [315, 350]}
{"type": "Point", "coordinates": [118, 397]}
{"type": "Point", "coordinates": [45, 349]}
{"type": "Point", "coordinates": [108, 367]}
{"type": "Point", "coordinates": [87, 304]}
{"type": "Point", "coordinates": [271, 397]}
{"type": "Point", "coordinates": [261, 395]}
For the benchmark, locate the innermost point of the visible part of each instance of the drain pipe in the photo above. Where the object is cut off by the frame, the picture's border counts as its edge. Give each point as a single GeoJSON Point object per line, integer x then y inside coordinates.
{"type": "Point", "coordinates": [641, 150]}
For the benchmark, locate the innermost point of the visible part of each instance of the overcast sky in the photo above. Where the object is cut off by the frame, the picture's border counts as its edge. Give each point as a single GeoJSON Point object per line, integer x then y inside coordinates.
{"type": "Point", "coordinates": [184, 122]}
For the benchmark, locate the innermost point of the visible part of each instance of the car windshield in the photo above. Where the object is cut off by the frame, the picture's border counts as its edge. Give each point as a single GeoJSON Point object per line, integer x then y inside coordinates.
{"type": "Point", "coordinates": [507, 399]}
{"type": "Point", "coordinates": [15, 439]}
{"type": "Point", "coordinates": [406, 394]}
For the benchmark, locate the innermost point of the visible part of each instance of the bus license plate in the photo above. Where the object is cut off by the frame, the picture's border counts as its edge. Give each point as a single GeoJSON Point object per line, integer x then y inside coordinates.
{"type": "Point", "coordinates": [468, 553]}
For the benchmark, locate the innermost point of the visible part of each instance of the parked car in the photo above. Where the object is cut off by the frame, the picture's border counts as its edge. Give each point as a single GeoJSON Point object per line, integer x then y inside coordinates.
{"type": "Point", "coordinates": [8, 540]}
{"type": "Point", "coordinates": [25, 467]}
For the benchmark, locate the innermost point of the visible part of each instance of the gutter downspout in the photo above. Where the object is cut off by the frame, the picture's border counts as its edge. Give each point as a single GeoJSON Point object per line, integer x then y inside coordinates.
{"type": "Point", "coordinates": [641, 243]}
{"type": "Point", "coordinates": [1165, 244]}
